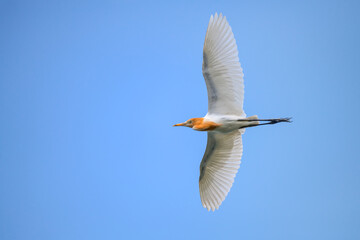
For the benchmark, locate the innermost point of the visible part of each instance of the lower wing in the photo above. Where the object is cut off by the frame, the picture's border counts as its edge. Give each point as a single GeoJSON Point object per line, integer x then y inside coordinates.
{"type": "Point", "coordinates": [219, 166]}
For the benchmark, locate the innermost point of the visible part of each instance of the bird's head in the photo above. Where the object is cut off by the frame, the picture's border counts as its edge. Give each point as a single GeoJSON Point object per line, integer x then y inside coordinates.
{"type": "Point", "coordinates": [190, 123]}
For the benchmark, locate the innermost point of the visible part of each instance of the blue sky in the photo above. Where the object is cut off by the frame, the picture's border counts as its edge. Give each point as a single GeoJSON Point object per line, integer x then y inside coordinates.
{"type": "Point", "coordinates": [89, 91]}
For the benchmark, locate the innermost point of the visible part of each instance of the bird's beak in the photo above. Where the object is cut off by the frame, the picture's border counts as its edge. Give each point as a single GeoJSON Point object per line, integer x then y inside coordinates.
{"type": "Point", "coordinates": [179, 124]}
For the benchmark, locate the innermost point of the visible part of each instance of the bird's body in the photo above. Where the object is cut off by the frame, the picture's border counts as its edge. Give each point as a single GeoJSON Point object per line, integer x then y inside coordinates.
{"type": "Point", "coordinates": [223, 124]}
{"type": "Point", "coordinates": [226, 120]}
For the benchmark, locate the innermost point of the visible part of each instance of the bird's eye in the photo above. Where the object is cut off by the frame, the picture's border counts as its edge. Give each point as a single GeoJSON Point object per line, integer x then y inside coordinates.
{"type": "Point", "coordinates": [190, 122]}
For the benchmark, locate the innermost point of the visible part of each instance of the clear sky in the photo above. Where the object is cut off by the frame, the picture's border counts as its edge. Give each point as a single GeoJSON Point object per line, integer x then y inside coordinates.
{"type": "Point", "coordinates": [89, 91]}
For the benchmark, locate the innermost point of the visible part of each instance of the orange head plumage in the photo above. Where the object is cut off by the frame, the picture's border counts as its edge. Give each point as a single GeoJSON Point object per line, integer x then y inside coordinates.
{"type": "Point", "coordinates": [199, 124]}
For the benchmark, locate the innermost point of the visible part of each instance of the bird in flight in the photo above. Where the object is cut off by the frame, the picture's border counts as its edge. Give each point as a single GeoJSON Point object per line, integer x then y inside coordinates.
{"type": "Point", "coordinates": [226, 120]}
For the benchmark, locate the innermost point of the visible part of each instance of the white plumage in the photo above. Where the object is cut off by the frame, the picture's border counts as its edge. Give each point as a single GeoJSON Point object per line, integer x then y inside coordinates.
{"type": "Point", "coordinates": [226, 120]}
{"type": "Point", "coordinates": [225, 87]}
{"type": "Point", "coordinates": [219, 166]}
{"type": "Point", "coordinates": [221, 69]}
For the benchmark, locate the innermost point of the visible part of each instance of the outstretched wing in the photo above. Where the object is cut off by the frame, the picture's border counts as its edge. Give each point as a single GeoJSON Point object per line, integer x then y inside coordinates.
{"type": "Point", "coordinates": [221, 69]}
{"type": "Point", "coordinates": [219, 166]}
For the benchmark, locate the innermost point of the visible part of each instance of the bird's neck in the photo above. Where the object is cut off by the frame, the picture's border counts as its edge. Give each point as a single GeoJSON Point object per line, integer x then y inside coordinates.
{"type": "Point", "coordinates": [201, 124]}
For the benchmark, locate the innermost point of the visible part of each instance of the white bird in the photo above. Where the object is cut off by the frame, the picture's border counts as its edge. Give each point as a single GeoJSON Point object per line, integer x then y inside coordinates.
{"type": "Point", "coordinates": [226, 120]}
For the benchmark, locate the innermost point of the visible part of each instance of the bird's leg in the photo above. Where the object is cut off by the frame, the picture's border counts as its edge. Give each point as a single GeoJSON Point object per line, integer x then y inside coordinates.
{"type": "Point", "coordinates": [268, 121]}
{"type": "Point", "coordinates": [271, 120]}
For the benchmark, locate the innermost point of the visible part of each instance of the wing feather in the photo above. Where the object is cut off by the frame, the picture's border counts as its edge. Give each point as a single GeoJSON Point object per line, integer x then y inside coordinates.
{"type": "Point", "coordinates": [222, 70]}
{"type": "Point", "coordinates": [218, 167]}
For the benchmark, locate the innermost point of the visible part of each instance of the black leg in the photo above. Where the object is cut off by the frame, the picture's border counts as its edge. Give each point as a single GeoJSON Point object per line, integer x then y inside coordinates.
{"type": "Point", "coordinates": [272, 120]}
{"type": "Point", "coordinates": [269, 121]}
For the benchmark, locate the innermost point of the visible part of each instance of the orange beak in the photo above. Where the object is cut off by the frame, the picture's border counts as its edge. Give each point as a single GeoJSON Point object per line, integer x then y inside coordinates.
{"type": "Point", "coordinates": [179, 124]}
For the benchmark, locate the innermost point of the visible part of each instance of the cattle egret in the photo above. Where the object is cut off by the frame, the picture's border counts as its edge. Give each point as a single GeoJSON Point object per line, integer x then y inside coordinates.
{"type": "Point", "coordinates": [226, 120]}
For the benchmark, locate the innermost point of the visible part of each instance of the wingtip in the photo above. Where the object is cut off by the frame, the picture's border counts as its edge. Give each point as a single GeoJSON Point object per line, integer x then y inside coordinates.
{"type": "Point", "coordinates": [211, 19]}
{"type": "Point", "coordinates": [216, 15]}
{"type": "Point", "coordinates": [210, 207]}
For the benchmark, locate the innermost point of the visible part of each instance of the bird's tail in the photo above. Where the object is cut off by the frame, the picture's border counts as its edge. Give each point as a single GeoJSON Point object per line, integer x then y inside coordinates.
{"type": "Point", "coordinates": [253, 120]}
{"type": "Point", "coordinates": [248, 122]}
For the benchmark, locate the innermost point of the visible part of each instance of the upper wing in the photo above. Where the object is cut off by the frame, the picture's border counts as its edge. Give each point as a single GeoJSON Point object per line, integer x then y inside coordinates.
{"type": "Point", "coordinates": [219, 166]}
{"type": "Point", "coordinates": [221, 69]}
